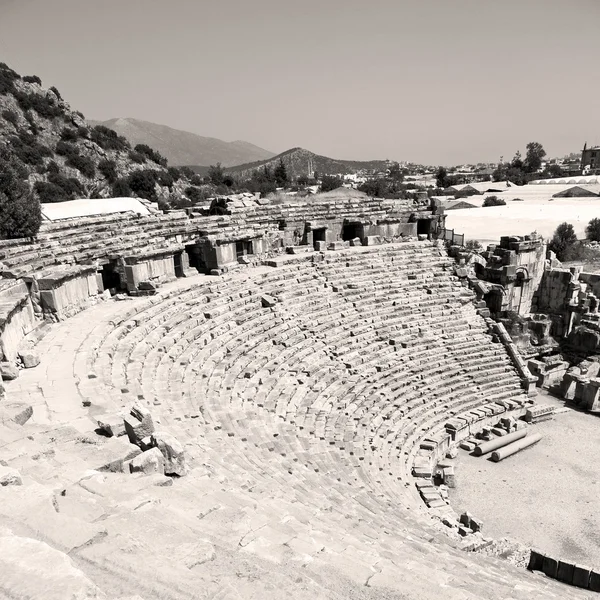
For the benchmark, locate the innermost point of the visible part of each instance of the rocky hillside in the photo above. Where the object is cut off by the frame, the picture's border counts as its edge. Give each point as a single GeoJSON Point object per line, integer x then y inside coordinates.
{"type": "Point", "coordinates": [50, 148]}
{"type": "Point", "coordinates": [298, 161]}
{"type": "Point", "coordinates": [185, 148]}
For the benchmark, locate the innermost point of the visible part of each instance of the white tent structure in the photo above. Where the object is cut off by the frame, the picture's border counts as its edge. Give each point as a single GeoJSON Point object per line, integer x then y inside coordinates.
{"type": "Point", "coordinates": [88, 207]}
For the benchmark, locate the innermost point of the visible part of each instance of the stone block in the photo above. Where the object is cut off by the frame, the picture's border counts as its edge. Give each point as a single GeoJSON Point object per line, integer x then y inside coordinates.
{"type": "Point", "coordinates": [565, 571]}
{"type": "Point", "coordinates": [112, 454]}
{"type": "Point", "coordinates": [476, 524]}
{"type": "Point", "coordinates": [112, 425]}
{"type": "Point", "coordinates": [8, 371]}
{"type": "Point", "coordinates": [268, 301]}
{"type": "Point", "coordinates": [355, 242]}
{"type": "Point", "coordinates": [172, 452]}
{"type": "Point", "coordinates": [320, 246]}
{"type": "Point", "coordinates": [335, 245]}
{"type": "Point", "coordinates": [594, 583]}
{"type": "Point", "coordinates": [550, 567]}
{"type": "Point", "coordinates": [17, 412]}
{"type": "Point", "coordinates": [147, 286]}
{"type": "Point", "coordinates": [9, 476]}
{"type": "Point", "coordinates": [149, 462]}
{"type": "Point", "coordinates": [138, 424]}
{"type": "Point", "coordinates": [29, 359]}
{"type": "Point", "coordinates": [536, 560]}
{"type": "Point", "coordinates": [581, 576]}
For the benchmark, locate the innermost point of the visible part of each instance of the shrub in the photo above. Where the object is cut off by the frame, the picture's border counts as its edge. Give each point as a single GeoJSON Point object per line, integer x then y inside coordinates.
{"type": "Point", "coordinates": [82, 132]}
{"type": "Point", "coordinates": [194, 194]}
{"type": "Point", "coordinates": [151, 154]}
{"type": "Point", "coordinates": [52, 167]}
{"type": "Point", "coordinates": [56, 92]}
{"type": "Point", "coordinates": [195, 179]}
{"type": "Point", "coordinates": [174, 173]}
{"type": "Point", "coordinates": [164, 178]}
{"type": "Point", "coordinates": [494, 201]}
{"type": "Point", "coordinates": [136, 157]}
{"type": "Point", "coordinates": [83, 164]}
{"type": "Point", "coordinates": [186, 172]}
{"type": "Point", "coordinates": [330, 182]}
{"type": "Point", "coordinates": [41, 104]}
{"type": "Point", "coordinates": [10, 116]}
{"type": "Point", "coordinates": [66, 148]}
{"type": "Point", "coordinates": [71, 186]}
{"type": "Point", "coordinates": [28, 150]}
{"type": "Point", "coordinates": [108, 139]}
{"type": "Point", "coordinates": [7, 79]}
{"type": "Point", "coordinates": [20, 216]}
{"type": "Point", "coordinates": [121, 189]}
{"type": "Point", "coordinates": [68, 134]}
{"type": "Point", "coordinates": [143, 183]}
{"type": "Point", "coordinates": [473, 245]}
{"type": "Point", "coordinates": [49, 192]}
{"type": "Point", "coordinates": [108, 168]}
{"type": "Point", "coordinates": [32, 79]}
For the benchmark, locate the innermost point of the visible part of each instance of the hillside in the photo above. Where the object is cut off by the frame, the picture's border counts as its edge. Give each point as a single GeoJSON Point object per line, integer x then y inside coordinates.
{"type": "Point", "coordinates": [185, 148]}
{"type": "Point", "coordinates": [298, 162]}
{"type": "Point", "coordinates": [49, 153]}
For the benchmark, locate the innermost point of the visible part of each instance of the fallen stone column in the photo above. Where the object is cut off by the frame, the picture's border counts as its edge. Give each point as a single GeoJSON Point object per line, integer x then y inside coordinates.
{"type": "Point", "coordinates": [500, 442]}
{"type": "Point", "coordinates": [515, 447]}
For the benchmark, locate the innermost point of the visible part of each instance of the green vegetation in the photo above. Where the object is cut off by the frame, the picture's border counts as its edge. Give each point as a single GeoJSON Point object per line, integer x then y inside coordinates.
{"type": "Point", "coordinates": [151, 154]}
{"type": "Point", "coordinates": [108, 139]}
{"type": "Point", "coordinates": [83, 164]}
{"type": "Point", "coordinates": [143, 184]}
{"type": "Point", "coordinates": [330, 182]}
{"type": "Point", "coordinates": [592, 231]}
{"type": "Point", "coordinates": [108, 168]}
{"type": "Point", "coordinates": [494, 201]}
{"type": "Point", "coordinates": [563, 240]}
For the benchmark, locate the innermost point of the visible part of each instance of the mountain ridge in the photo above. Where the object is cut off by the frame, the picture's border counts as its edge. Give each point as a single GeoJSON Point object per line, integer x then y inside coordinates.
{"type": "Point", "coordinates": [182, 147]}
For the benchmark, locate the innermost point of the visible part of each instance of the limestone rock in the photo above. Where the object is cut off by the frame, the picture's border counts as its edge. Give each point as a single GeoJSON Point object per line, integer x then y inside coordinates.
{"type": "Point", "coordinates": [9, 476]}
{"type": "Point", "coordinates": [172, 452]}
{"type": "Point", "coordinates": [112, 425]}
{"type": "Point", "coordinates": [138, 424]}
{"type": "Point", "coordinates": [8, 371]}
{"type": "Point", "coordinates": [17, 412]}
{"type": "Point", "coordinates": [34, 570]}
{"type": "Point", "coordinates": [151, 461]}
{"type": "Point", "coordinates": [29, 359]}
{"type": "Point", "coordinates": [147, 286]}
{"type": "Point", "coordinates": [111, 455]}
{"type": "Point", "coordinates": [268, 301]}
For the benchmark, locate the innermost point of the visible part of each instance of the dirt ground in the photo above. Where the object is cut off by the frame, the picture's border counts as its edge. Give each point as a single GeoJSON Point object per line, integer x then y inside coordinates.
{"type": "Point", "coordinates": [547, 496]}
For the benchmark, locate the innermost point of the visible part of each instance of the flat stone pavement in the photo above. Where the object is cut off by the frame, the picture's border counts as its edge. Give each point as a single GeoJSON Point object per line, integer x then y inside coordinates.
{"type": "Point", "coordinates": [240, 525]}
{"type": "Point", "coordinates": [547, 496]}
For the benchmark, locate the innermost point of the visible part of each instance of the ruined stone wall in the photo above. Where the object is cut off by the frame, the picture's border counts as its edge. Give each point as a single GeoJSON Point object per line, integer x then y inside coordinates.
{"type": "Point", "coordinates": [71, 296]}
{"type": "Point", "coordinates": [17, 318]}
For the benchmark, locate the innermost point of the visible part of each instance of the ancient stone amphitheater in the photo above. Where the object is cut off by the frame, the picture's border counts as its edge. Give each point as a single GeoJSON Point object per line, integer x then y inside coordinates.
{"type": "Point", "coordinates": [282, 392]}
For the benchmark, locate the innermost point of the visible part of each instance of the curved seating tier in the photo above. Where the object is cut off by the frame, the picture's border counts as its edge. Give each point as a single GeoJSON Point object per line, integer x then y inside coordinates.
{"type": "Point", "coordinates": [306, 392]}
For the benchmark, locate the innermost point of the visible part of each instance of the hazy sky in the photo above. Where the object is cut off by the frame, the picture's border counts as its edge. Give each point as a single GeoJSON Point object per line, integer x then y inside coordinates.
{"type": "Point", "coordinates": [435, 81]}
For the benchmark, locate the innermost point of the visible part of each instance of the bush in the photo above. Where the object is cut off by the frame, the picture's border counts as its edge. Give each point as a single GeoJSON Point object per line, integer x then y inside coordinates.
{"type": "Point", "coordinates": [473, 246]}
{"type": "Point", "coordinates": [121, 189]}
{"type": "Point", "coordinates": [136, 157]}
{"type": "Point", "coordinates": [108, 168]}
{"type": "Point", "coordinates": [151, 154]}
{"type": "Point", "coordinates": [41, 104]}
{"type": "Point", "coordinates": [195, 179]}
{"type": "Point", "coordinates": [330, 182]}
{"type": "Point", "coordinates": [49, 192]}
{"type": "Point", "coordinates": [10, 116]}
{"type": "Point", "coordinates": [28, 150]}
{"type": "Point", "coordinates": [165, 179]}
{"type": "Point", "coordinates": [108, 139]}
{"type": "Point", "coordinates": [68, 134]}
{"type": "Point", "coordinates": [174, 173]}
{"type": "Point", "coordinates": [52, 167]}
{"type": "Point", "coordinates": [71, 186]}
{"type": "Point", "coordinates": [56, 92]}
{"type": "Point", "coordinates": [83, 164]}
{"type": "Point", "coordinates": [194, 194]}
{"type": "Point", "coordinates": [66, 149]}
{"type": "Point", "coordinates": [494, 201]}
{"type": "Point", "coordinates": [32, 79]}
{"type": "Point", "coordinates": [142, 183]}
{"type": "Point", "coordinates": [7, 79]}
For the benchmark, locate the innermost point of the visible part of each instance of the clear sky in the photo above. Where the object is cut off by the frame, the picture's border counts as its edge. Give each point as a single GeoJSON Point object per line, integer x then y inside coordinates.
{"type": "Point", "coordinates": [434, 81]}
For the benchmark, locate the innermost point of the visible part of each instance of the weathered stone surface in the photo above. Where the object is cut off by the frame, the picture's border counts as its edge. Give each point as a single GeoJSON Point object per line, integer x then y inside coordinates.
{"type": "Point", "coordinates": [17, 412]}
{"type": "Point", "coordinates": [172, 452]}
{"type": "Point", "coordinates": [151, 461]}
{"type": "Point", "coordinates": [29, 359]}
{"type": "Point", "coordinates": [114, 452]}
{"type": "Point", "coordinates": [9, 476]}
{"type": "Point", "coordinates": [8, 371]}
{"type": "Point", "coordinates": [268, 301]}
{"type": "Point", "coordinates": [147, 286]}
{"type": "Point", "coordinates": [112, 425]}
{"type": "Point", "coordinates": [138, 424]}
{"type": "Point", "coordinates": [32, 569]}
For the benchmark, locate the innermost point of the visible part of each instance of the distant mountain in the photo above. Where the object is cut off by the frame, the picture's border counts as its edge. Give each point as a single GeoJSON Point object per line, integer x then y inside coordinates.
{"type": "Point", "coordinates": [184, 148]}
{"type": "Point", "coordinates": [299, 161]}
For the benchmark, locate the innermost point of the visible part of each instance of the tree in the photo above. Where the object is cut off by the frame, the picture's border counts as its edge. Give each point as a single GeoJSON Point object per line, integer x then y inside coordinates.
{"type": "Point", "coordinates": [534, 157]}
{"type": "Point", "coordinates": [302, 180]}
{"type": "Point", "coordinates": [281, 175]}
{"type": "Point", "coordinates": [215, 174]}
{"type": "Point", "coordinates": [143, 184]}
{"type": "Point", "coordinates": [330, 182]}
{"type": "Point", "coordinates": [441, 177]}
{"type": "Point", "coordinates": [563, 239]}
{"type": "Point", "coordinates": [20, 211]}
{"type": "Point", "coordinates": [592, 231]}
{"type": "Point", "coordinates": [396, 173]}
